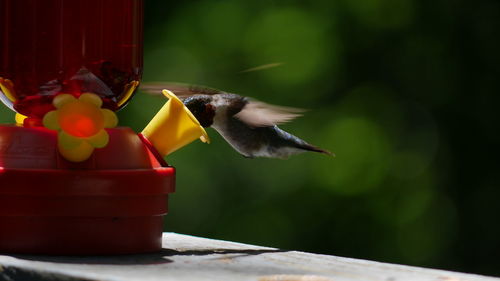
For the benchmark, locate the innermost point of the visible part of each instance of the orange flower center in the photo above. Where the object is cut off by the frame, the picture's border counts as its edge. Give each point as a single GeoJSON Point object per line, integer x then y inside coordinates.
{"type": "Point", "coordinates": [81, 119]}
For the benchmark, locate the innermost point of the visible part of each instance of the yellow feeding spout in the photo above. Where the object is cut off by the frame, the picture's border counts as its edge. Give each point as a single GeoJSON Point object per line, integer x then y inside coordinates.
{"type": "Point", "coordinates": [173, 127]}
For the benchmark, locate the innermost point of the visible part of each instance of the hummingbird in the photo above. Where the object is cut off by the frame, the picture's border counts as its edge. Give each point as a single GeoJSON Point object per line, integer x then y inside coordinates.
{"type": "Point", "coordinates": [248, 125]}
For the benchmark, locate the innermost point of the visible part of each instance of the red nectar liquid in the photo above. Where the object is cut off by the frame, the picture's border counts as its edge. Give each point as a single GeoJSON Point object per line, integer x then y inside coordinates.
{"type": "Point", "coordinates": [49, 47]}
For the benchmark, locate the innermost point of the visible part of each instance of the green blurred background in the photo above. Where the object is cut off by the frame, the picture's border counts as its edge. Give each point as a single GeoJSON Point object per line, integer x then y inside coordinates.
{"type": "Point", "coordinates": [404, 92]}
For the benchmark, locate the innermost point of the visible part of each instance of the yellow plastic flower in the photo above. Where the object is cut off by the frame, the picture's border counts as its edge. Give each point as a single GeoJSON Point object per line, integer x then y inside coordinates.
{"type": "Point", "coordinates": [7, 87]}
{"type": "Point", "coordinates": [128, 91]}
{"type": "Point", "coordinates": [81, 124]}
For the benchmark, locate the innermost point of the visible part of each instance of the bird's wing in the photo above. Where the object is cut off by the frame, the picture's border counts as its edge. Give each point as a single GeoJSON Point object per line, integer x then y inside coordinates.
{"type": "Point", "coordinates": [179, 89]}
{"type": "Point", "coordinates": [254, 113]}
{"type": "Point", "coordinates": [259, 114]}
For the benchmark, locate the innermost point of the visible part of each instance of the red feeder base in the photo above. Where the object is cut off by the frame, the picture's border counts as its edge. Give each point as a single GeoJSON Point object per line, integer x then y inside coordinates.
{"type": "Point", "coordinates": [113, 203]}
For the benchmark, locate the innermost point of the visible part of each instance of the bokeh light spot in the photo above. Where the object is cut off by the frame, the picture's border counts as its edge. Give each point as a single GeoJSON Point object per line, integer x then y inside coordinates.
{"type": "Point", "coordinates": [381, 14]}
{"type": "Point", "coordinates": [362, 149]}
{"type": "Point", "coordinates": [408, 164]}
{"type": "Point", "coordinates": [293, 37]}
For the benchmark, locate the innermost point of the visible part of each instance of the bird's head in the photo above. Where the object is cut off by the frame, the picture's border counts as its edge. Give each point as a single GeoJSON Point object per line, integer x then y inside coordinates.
{"type": "Point", "coordinates": [202, 109]}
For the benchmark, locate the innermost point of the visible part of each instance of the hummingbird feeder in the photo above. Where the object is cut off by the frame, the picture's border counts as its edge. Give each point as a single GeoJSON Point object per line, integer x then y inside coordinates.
{"type": "Point", "coordinates": [71, 182]}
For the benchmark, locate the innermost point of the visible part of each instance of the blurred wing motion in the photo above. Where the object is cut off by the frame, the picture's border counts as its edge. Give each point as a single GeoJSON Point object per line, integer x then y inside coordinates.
{"type": "Point", "coordinates": [179, 89]}
{"type": "Point", "coordinates": [260, 114]}
{"type": "Point", "coordinates": [254, 113]}
{"type": "Point", "coordinates": [262, 67]}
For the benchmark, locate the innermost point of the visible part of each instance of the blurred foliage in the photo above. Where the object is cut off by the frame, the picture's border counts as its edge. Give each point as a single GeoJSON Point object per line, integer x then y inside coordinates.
{"type": "Point", "coordinates": [404, 92]}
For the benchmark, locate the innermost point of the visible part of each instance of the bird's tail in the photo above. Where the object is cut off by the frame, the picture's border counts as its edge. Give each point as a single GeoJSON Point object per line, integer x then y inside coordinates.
{"type": "Point", "coordinates": [310, 147]}
{"type": "Point", "coordinates": [298, 143]}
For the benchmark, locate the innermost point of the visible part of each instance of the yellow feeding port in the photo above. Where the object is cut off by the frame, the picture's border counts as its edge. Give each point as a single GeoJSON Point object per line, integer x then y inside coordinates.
{"type": "Point", "coordinates": [173, 127]}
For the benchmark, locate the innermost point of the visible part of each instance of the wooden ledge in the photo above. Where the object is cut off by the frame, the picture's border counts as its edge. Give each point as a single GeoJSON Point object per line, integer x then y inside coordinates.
{"type": "Point", "coordinates": [192, 258]}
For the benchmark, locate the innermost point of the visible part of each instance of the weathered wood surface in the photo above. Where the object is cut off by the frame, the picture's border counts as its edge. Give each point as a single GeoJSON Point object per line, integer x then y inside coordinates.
{"type": "Point", "coordinates": [191, 258]}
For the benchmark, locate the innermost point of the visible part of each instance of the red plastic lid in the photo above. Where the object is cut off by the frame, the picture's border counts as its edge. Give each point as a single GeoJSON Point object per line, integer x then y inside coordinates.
{"type": "Point", "coordinates": [112, 203]}
{"type": "Point", "coordinates": [36, 148]}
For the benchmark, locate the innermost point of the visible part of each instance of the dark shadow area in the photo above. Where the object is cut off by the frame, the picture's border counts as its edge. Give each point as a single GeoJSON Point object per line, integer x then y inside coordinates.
{"type": "Point", "coordinates": [11, 273]}
{"type": "Point", "coordinates": [243, 252]}
{"type": "Point", "coordinates": [136, 259]}
{"type": "Point", "coordinates": [160, 257]}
